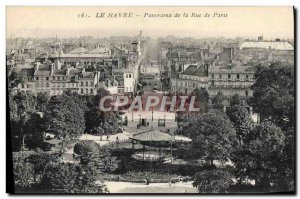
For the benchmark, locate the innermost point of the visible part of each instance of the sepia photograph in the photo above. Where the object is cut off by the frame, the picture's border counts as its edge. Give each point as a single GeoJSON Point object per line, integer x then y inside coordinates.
{"type": "Point", "coordinates": [150, 100]}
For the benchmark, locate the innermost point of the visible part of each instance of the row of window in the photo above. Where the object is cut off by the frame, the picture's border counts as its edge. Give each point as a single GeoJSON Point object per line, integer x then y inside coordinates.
{"type": "Point", "coordinates": [195, 84]}
{"type": "Point", "coordinates": [191, 77]}
{"type": "Point", "coordinates": [52, 78]}
{"type": "Point", "coordinates": [229, 76]}
{"type": "Point", "coordinates": [86, 91]}
{"type": "Point", "coordinates": [42, 84]}
{"type": "Point", "coordinates": [128, 75]}
{"type": "Point", "coordinates": [86, 84]}
{"type": "Point", "coordinates": [82, 91]}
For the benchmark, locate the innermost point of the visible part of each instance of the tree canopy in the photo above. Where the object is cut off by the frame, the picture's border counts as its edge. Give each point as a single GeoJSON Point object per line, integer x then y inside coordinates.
{"type": "Point", "coordinates": [65, 117]}
{"type": "Point", "coordinates": [213, 136]}
{"type": "Point", "coordinates": [274, 93]}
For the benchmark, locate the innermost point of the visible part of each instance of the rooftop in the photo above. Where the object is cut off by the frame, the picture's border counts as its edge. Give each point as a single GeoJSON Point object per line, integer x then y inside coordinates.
{"type": "Point", "coordinates": [233, 69]}
{"type": "Point", "coordinates": [275, 45]}
{"type": "Point", "coordinates": [152, 136]}
{"type": "Point", "coordinates": [189, 70]}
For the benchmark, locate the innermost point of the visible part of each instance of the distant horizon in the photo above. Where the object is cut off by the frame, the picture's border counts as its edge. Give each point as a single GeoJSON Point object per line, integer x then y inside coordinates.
{"type": "Point", "coordinates": [147, 36]}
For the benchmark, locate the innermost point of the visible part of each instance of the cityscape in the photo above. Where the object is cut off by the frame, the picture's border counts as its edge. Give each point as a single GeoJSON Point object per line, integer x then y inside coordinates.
{"type": "Point", "coordinates": [146, 114]}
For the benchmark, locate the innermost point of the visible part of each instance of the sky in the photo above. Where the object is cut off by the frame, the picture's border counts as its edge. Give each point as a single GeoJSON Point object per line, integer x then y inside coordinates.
{"type": "Point", "coordinates": [40, 22]}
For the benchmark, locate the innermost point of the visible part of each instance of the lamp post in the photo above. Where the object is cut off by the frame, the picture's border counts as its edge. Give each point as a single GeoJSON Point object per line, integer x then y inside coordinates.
{"type": "Point", "coordinates": [140, 121]}
{"type": "Point", "coordinates": [132, 115]}
{"type": "Point", "coordinates": [152, 114]}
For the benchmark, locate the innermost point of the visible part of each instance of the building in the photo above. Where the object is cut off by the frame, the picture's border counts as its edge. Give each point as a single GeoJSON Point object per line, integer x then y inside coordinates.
{"type": "Point", "coordinates": [266, 51]}
{"type": "Point", "coordinates": [180, 55]}
{"type": "Point", "coordinates": [194, 76]}
{"type": "Point", "coordinates": [54, 80]}
{"type": "Point", "coordinates": [230, 79]}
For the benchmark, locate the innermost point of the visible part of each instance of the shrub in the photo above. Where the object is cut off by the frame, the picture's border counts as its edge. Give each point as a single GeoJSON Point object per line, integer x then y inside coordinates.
{"type": "Point", "coordinates": [85, 147]}
{"type": "Point", "coordinates": [213, 181]}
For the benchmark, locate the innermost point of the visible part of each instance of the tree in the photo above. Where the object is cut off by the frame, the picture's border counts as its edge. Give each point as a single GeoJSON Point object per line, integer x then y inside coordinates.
{"type": "Point", "coordinates": [79, 99]}
{"type": "Point", "coordinates": [95, 159]}
{"type": "Point", "coordinates": [59, 177]}
{"type": "Point", "coordinates": [213, 136]}
{"type": "Point", "coordinates": [92, 119]}
{"type": "Point", "coordinates": [70, 178]}
{"type": "Point", "coordinates": [261, 158]}
{"type": "Point", "coordinates": [213, 181]}
{"type": "Point", "coordinates": [35, 128]}
{"type": "Point", "coordinates": [218, 100]}
{"type": "Point", "coordinates": [22, 105]}
{"type": "Point", "coordinates": [95, 100]}
{"type": "Point", "coordinates": [65, 117]}
{"type": "Point", "coordinates": [23, 172]}
{"type": "Point", "coordinates": [241, 120]}
{"type": "Point", "coordinates": [39, 162]}
{"type": "Point", "coordinates": [87, 149]}
{"type": "Point", "coordinates": [87, 183]}
{"type": "Point", "coordinates": [13, 79]}
{"type": "Point", "coordinates": [202, 98]}
{"type": "Point", "coordinates": [235, 100]}
{"type": "Point", "coordinates": [273, 94]}
{"type": "Point", "coordinates": [42, 99]}
{"type": "Point", "coordinates": [94, 116]}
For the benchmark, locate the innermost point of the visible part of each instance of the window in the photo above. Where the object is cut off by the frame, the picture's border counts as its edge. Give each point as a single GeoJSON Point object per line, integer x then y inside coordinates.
{"type": "Point", "coordinates": [229, 76]}
{"type": "Point", "coordinates": [220, 76]}
{"type": "Point", "coordinates": [213, 76]}
{"type": "Point", "coordinates": [86, 90]}
{"type": "Point", "coordinates": [91, 90]}
{"type": "Point", "coordinates": [91, 83]}
{"type": "Point", "coordinates": [238, 76]}
{"type": "Point", "coordinates": [246, 93]}
{"type": "Point", "coordinates": [247, 77]}
{"type": "Point", "coordinates": [47, 78]}
{"type": "Point", "coordinates": [129, 75]}
{"type": "Point", "coordinates": [37, 78]}
{"type": "Point", "coordinates": [81, 83]}
{"type": "Point", "coordinates": [126, 75]}
{"type": "Point", "coordinates": [22, 85]}
{"type": "Point", "coordinates": [81, 90]}
{"type": "Point", "coordinates": [86, 83]}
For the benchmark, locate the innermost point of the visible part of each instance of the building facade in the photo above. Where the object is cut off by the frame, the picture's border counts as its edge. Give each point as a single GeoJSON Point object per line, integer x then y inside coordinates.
{"type": "Point", "coordinates": [54, 80]}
